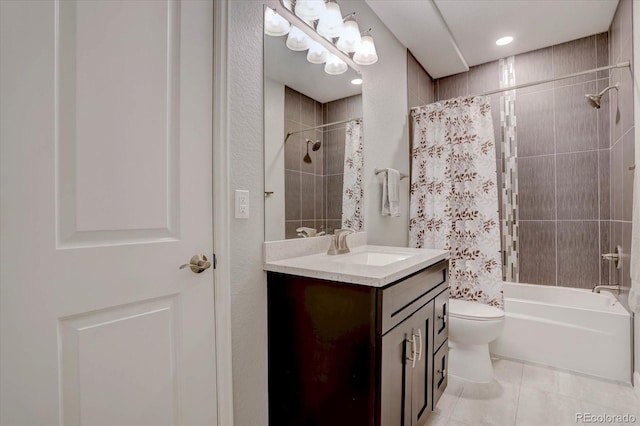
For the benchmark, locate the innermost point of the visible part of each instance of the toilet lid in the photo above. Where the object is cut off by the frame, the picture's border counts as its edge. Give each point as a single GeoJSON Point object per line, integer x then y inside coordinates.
{"type": "Point", "coordinates": [473, 310]}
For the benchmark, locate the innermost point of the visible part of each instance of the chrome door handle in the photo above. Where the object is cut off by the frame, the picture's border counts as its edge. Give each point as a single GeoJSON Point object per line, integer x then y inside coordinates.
{"type": "Point", "coordinates": [420, 350]}
{"type": "Point", "coordinates": [198, 263]}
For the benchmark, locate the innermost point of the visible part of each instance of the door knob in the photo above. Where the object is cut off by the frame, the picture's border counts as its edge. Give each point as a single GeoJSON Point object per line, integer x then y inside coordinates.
{"type": "Point", "coordinates": [198, 263]}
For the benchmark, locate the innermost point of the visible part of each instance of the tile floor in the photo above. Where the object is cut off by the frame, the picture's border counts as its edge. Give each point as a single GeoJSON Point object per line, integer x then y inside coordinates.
{"type": "Point", "coordinates": [524, 394]}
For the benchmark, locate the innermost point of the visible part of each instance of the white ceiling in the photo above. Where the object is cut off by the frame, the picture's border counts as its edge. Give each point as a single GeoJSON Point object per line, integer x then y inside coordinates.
{"type": "Point", "coordinates": [448, 36]}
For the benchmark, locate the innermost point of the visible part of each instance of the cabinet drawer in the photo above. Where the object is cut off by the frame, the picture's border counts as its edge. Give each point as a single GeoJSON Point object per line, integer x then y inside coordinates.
{"type": "Point", "coordinates": [440, 319]}
{"type": "Point", "coordinates": [401, 299]}
{"type": "Point", "coordinates": [440, 361]}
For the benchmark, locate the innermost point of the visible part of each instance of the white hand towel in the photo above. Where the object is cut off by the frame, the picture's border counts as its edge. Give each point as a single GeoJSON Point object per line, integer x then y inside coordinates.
{"type": "Point", "coordinates": [634, 294]}
{"type": "Point", "coordinates": [391, 193]}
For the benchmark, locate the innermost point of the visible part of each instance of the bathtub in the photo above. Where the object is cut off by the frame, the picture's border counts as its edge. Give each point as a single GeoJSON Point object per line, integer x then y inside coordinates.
{"type": "Point", "coordinates": [567, 328]}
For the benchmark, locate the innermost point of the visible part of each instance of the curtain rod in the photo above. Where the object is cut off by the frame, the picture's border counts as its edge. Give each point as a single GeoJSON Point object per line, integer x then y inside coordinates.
{"type": "Point", "coordinates": [321, 126]}
{"type": "Point", "coordinates": [626, 64]}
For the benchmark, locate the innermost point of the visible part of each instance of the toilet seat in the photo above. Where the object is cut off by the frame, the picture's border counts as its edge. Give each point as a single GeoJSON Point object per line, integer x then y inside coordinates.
{"type": "Point", "coordinates": [474, 311]}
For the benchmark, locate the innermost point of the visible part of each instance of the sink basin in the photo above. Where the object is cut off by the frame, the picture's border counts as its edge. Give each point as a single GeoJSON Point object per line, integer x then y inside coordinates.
{"type": "Point", "coordinates": [372, 258]}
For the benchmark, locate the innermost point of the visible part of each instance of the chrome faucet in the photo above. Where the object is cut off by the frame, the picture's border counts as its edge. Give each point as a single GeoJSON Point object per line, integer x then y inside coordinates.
{"type": "Point", "coordinates": [617, 288]}
{"type": "Point", "coordinates": [305, 232]}
{"type": "Point", "coordinates": [339, 241]}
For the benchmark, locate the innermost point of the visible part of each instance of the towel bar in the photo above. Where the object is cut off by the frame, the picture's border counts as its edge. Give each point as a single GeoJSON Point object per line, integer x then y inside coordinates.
{"type": "Point", "coordinates": [402, 175]}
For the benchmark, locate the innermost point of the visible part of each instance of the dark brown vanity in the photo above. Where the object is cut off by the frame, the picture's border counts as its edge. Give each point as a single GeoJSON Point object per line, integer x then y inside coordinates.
{"type": "Point", "coordinates": [348, 354]}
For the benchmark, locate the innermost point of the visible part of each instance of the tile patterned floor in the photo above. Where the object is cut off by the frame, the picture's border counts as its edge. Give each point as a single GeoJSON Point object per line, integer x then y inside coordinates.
{"type": "Point", "coordinates": [530, 395]}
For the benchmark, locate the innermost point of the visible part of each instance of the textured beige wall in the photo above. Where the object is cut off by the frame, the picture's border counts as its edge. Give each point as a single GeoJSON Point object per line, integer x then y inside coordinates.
{"type": "Point", "coordinates": [248, 283]}
{"type": "Point", "coordinates": [386, 127]}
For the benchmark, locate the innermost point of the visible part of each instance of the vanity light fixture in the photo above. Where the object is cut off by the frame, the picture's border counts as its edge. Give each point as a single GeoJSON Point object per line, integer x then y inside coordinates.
{"type": "Point", "coordinates": [366, 52]}
{"type": "Point", "coordinates": [310, 10]}
{"type": "Point", "coordinates": [330, 24]}
{"type": "Point", "coordinates": [317, 53]}
{"type": "Point", "coordinates": [298, 40]}
{"type": "Point", "coordinates": [335, 65]}
{"type": "Point", "coordinates": [274, 24]}
{"type": "Point", "coordinates": [504, 40]}
{"type": "Point", "coordinates": [320, 27]}
{"type": "Point", "coordinates": [350, 38]}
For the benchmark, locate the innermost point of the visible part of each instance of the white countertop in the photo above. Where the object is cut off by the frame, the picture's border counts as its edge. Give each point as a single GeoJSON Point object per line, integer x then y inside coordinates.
{"type": "Point", "coordinates": [333, 268]}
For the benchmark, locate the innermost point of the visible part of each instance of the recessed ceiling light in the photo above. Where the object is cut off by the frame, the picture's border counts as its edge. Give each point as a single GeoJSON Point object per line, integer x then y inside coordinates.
{"type": "Point", "coordinates": [356, 81]}
{"type": "Point", "coordinates": [504, 40]}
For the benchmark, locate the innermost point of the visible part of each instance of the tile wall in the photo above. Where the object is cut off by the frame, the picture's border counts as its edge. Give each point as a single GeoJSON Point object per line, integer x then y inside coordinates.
{"type": "Point", "coordinates": [334, 137]}
{"type": "Point", "coordinates": [302, 181]}
{"type": "Point", "coordinates": [420, 86]}
{"type": "Point", "coordinates": [620, 107]}
{"type": "Point", "coordinates": [313, 191]}
{"type": "Point", "coordinates": [573, 180]}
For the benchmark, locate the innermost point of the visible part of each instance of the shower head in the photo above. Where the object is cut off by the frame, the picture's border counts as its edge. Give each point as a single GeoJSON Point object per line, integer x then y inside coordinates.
{"type": "Point", "coordinates": [594, 100]}
{"type": "Point", "coordinates": [315, 147]}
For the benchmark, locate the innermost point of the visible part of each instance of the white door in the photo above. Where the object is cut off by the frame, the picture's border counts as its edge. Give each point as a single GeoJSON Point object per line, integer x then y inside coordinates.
{"type": "Point", "coordinates": [106, 189]}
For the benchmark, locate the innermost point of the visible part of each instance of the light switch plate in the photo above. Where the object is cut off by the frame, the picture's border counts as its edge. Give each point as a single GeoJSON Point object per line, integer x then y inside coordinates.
{"type": "Point", "coordinates": [242, 204]}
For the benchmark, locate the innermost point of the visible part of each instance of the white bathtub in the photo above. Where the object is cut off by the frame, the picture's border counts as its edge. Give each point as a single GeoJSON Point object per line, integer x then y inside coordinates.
{"type": "Point", "coordinates": [572, 329]}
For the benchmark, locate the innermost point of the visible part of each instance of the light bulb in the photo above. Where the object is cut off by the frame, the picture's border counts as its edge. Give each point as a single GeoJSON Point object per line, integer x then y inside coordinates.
{"type": "Point", "coordinates": [310, 10]}
{"type": "Point", "coordinates": [335, 65]}
{"type": "Point", "coordinates": [366, 52]}
{"type": "Point", "coordinates": [297, 40]}
{"type": "Point", "coordinates": [350, 38]}
{"type": "Point", "coordinates": [274, 24]}
{"type": "Point", "coordinates": [330, 24]}
{"type": "Point", "coordinates": [317, 53]}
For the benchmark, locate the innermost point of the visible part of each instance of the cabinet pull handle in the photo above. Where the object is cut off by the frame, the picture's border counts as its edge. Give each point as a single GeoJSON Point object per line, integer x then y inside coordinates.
{"type": "Point", "coordinates": [413, 350]}
{"type": "Point", "coordinates": [443, 317]}
{"type": "Point", "coordinates": [420, 350]}
{"type": "Point", "coordinates": [442, 370]}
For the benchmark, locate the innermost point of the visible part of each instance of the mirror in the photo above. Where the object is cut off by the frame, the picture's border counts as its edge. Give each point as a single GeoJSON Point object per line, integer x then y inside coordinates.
{"type": "Point", "coordinates": [305, 181]}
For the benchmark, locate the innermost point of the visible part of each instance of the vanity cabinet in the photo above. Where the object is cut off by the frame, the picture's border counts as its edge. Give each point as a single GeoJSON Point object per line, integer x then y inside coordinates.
{"type": "Point", "coordinates": [345, 354]}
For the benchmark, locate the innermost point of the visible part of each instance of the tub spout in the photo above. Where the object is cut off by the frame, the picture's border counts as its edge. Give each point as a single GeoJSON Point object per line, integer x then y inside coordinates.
{"type": "Point", "coordinates": [597, 288]}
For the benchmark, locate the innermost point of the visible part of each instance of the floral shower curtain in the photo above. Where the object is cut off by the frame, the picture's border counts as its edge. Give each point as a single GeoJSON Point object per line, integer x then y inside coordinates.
{"type": "Point", "coordinates": [454, 198]}
{"type": "Point", "coordinates": [352, 192]}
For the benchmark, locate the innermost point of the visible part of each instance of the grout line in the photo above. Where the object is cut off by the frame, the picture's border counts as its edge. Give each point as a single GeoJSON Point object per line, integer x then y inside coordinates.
{"type": "Point", "coordinates": [564, 220]}
{"type": "Point", "coordinates": [555, 166]}
{"type": "Point", "coordinates": [600, 248]}
{"type": "Point", "coordinates": [563, 153]}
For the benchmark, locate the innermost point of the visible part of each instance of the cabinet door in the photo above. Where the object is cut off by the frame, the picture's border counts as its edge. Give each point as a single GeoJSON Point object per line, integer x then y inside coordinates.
{"type": "Point", "coordinates": [396, 373]}
{"type": "Point", "coordinates": [421, 407]}
{"type": "Point", "coordinates": [440, 319]}
{"type": "Point", "coordinates": [440, 360]}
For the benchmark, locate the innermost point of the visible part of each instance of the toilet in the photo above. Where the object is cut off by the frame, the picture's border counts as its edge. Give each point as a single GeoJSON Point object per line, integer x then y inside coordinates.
{"type": "Point", "coordinates": [472, 326]}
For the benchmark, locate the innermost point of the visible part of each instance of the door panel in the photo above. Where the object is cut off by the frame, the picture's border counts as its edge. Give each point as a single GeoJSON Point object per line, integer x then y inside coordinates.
{"type": "Point", "coordinates": [421, 382]}
{"type": "Point", "coordinates": [117, 115]}
{"type": "Point", "coordinates": [94, 374]}
{"type": "Point", "coordinates": [105, 189]}
{"type": "Point", "coordinates": [396, 373]}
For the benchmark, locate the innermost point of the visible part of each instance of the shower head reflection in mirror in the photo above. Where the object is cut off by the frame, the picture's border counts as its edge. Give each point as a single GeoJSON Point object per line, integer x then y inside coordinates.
{"type": "Point", "coordinates": [316, 146]}
{"type": "Point", "coordinates": [594, 100]}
